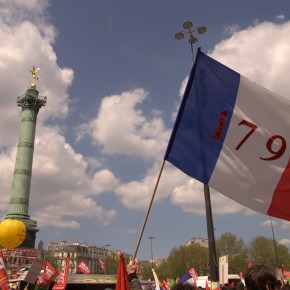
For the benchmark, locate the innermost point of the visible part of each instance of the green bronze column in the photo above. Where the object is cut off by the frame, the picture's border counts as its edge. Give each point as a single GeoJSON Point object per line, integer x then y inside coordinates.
{"type": "Point", "coordinates": [30, 102]}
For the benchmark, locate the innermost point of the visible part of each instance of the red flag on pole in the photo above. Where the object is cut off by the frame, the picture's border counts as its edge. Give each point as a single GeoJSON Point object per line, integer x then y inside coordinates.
{"type": "Point", "coordinates": [4, 282]}
{"type": "Point", "coordinates": [48, 276]}
{"type": "Point", "coordinates": [62, 278]}
{"type": "Point", "coordinates": [122, 279]}
{"type": "Point", "coordinates": [206, 286]}
{"type": "Point", "coordinates": [102, 265]}
{"type": "Point", "coordinates": [164, 285]}
{"type": "Point", "coordinates": [82, 267]}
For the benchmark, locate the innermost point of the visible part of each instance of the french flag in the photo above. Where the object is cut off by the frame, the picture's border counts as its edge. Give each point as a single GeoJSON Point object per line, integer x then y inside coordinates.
{"type": "Point", "coordinates": [234, 135]}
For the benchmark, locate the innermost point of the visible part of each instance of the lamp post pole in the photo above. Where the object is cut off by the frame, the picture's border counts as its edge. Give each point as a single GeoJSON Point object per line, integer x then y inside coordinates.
{"type": "Point", "coordinates": [210, 229]}
{"type": "Point", "coordinates": [152, 261]}
{"type": "Point", "coordinates": [190, 30]}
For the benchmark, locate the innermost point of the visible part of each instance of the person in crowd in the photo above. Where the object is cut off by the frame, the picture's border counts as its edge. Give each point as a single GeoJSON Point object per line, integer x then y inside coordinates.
{"type": "Point", "coordinates": [286, 287]}
{"type": "Point", "coordinates": [240, 285]}
{"type": "Point", "coordinates": [134, 283]}
{"type": "Point", "coordinates": [183, 286]}
{"type": "Point", "coordinates": [228, 287]}
{"type": "Point", "coordinates": [261, 277]}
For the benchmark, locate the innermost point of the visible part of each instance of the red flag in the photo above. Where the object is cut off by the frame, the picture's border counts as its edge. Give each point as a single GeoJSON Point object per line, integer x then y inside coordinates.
{"type": "Point", "coordinates": [286, 274]}
{"type": "Point", "coordinates": [122, 279]}
{"type": "Point", "coordinates": [48, 276]}
{"type": "Point", "coordinates": [4, 282]}
{"type": "Point", "coordinates": [206, 286]}
{"type": "Point", "coordinates": [62, 278]}
{"type": "Point", "coordinates": [164, 285]}
{"type": "Point", "coordinates": [102, 265]}
{"type": "Point", "coordinates": [82, 267]}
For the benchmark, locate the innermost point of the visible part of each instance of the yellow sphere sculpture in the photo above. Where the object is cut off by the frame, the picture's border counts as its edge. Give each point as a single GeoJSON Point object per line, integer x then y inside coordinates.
{"type": "Point", "coordinates": [12, 233]}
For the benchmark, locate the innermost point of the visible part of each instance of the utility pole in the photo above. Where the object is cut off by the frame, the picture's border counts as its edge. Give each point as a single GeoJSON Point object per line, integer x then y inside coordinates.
{"type": "Point", "coordinates": [152, 261]}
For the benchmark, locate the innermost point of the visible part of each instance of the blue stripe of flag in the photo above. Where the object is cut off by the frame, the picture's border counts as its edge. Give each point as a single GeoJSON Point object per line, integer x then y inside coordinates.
{"type": "Point", "coordinates": [211, 89]}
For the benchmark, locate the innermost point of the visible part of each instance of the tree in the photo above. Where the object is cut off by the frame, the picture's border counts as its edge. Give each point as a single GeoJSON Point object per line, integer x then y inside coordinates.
{"type": "Point", "coordinates": [52, 259]}
{"type": "Point", "coordinates": [283, 256]}
{"type": "Point", "coordinates": [235, 248]}
{"type": "Point", "coordinates": [112, 263]}
{"type": "Point", "coordinates": [145, 270]}
{"type": "Point", "coordinates": [181, 259]}
{"type": "Point", "coordinates": [262, 251]}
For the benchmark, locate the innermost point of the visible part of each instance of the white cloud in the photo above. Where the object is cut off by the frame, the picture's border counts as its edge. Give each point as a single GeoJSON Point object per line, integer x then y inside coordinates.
{"type": "Point", "coordinates": [285, 242]}
{"type": "Point", "coordinates": [231, 29]}
{"type": "Point", "coordinates": [285, 224]}
{"type": "Point", "coordinates": [64, 213]}
{"type": "Point", "coordinates": [259, 53]}
{"type": "Point", "coordinates": [17, 11]}
{"type": "Point", "coordinates": [280, 17]}
{"type": "Point", "coordinates": [60, 175]}
{"type": "Point", "coordinates": [122, 128]}
{"type": "Point", "coordinates": [267, 223]}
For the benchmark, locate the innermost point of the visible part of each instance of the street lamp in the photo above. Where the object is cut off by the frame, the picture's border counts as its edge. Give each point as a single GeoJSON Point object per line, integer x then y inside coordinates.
{"type": "Point", "coordinates": [192, 40]}
{"type": "Point", "coordinates": [210, 229]}
{"type": "Point", "coordinates": [151, 238]}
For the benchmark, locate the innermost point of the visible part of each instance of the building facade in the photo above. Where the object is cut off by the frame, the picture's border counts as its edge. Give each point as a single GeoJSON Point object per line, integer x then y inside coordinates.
{"type": "Point", "coordinates": [200, 241]}
{"type": "Point", "coordinates": [78, 252]}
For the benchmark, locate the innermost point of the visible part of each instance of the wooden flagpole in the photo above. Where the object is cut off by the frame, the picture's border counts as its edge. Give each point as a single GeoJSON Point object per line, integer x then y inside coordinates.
{"type": "Point", "coordinates": [149, 208]}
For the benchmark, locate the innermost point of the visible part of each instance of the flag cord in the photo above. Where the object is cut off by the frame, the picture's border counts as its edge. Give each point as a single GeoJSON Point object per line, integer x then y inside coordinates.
{"type": "Point", "coordinates": [149, 208]}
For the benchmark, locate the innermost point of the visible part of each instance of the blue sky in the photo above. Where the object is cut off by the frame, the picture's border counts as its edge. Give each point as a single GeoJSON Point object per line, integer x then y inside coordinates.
{"type": "Point", "coordinates": [114, 75]}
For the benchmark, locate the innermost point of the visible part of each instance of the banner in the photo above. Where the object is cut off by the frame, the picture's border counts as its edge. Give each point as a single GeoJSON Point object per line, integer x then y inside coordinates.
{"type": "Point", "coordinates": [82, 267]}
{"type": "Point", "coordinates": [102, 265]}
{"type": "Point", "coordinates": [48, 276]}
{"type": "Point", "coordinates": [4, 283]}
{"type": "Point", "coordinates": [62, 278]}
{"type": "Point", "coordinates": [223, 269]}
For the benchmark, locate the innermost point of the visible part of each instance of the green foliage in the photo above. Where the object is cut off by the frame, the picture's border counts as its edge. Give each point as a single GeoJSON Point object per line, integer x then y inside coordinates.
{"type": "Point", "coordinates": [146, 270]}
{"type": "Point", "coordinates": [260, 250]}
{"type": "Point", "coordinates": [181, 259]}
{"type": "Point", "coordinates": [112, 263]}
{"type": "Point", "coordinates": [49, 256]}
{"type": "Point", "coordinates": [236, 250]}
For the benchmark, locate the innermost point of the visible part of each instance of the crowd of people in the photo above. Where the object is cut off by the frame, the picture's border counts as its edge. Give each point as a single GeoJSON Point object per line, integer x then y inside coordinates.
{"type": "Point", "coordinates": [257, 277]}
